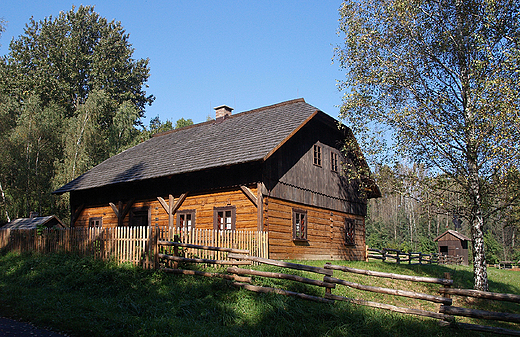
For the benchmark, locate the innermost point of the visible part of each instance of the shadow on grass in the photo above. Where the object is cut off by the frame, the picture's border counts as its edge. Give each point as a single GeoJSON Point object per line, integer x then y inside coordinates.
{"type": "Point", "coordinates": [86, 297]}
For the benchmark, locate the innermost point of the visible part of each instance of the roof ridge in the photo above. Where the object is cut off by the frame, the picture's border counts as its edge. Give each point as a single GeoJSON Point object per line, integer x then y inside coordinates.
{"type": "Point", "coordinates": [272, 106]}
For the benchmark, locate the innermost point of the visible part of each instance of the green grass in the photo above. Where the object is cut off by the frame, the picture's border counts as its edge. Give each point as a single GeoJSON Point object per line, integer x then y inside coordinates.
{"type": "Point", "coordinates": [85, 297]}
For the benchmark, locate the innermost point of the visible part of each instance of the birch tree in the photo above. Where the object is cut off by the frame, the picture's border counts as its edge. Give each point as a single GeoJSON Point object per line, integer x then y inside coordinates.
{"type": "Point", "coordinates": [442, 77]}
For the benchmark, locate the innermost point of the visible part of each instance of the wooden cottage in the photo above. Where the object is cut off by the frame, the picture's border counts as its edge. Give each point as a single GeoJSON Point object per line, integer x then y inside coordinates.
{"type": "Point", "coordinates": [276, 169]}
{"type": "Point", "coordinates": [453, 244]}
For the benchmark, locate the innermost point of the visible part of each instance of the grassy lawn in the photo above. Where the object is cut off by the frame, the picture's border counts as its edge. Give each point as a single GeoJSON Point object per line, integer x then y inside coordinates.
{"type": "Point", "coordinates": [85, 297]}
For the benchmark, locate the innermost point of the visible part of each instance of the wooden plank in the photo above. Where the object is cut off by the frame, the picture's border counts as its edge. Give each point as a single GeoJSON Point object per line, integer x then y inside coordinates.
{"type": "Point", "coordinates": [260, 206]}
{"type": "Point", "coordinates": [474, 313]}
{"type": "Point", "coordinates": [259, 289]}
{"type": "Point", "coordinates": [115, 209]}
{"type": "Point", "coordinates": [235, 270]}
{"type": "Point", "coordinates": [490, 329]}
{"type": "Point", "coordinates": [390, 275]}
{"type": "Point", "coordinates": [188, 260]}
{"type": "Point", "coordinates": [391, 307]}
{"type": "Point", "coordinates": [179, 202]}
{"type": "Point", "coordinates": [207, 274]}
{"type": "Point", "coordinates": [127, 208]}
{"type": "Point", "coordinates": [395, 292]}
{"type": "Point", "coordinates": [164, 205]}
{"type": "Point", "coordinates": [249, 195]}
{"type": "Point", "coordinates": [187, 245]}
{"type": "Point", "coordinates": [281, 264]}
{"type": "Point", "coordinates": [481, 294]}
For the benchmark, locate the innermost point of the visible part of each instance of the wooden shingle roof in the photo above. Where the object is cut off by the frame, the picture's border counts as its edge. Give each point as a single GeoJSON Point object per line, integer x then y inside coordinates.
{"type": "Point", "coordinates": [245, 137]}
{"type": "Point", "coordinates": [456, 234]}
{"type": "Point", "coordinates": [33, 223]}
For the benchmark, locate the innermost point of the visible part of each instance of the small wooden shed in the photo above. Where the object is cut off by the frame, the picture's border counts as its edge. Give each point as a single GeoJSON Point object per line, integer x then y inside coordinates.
{"type": "Point", "coordinates": [452, 244]}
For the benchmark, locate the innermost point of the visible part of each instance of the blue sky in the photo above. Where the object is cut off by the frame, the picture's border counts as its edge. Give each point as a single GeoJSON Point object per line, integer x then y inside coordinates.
{"type": "Point", "coordinates": [245, 54]}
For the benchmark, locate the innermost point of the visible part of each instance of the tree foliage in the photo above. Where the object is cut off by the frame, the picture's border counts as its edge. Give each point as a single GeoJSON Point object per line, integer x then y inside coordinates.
{"type": "Point", "coordinates": [442, 76]}
{"type": "Point", "coordinates": [64, 59]}
{"type": "Point", "coordinates": [71, 95]}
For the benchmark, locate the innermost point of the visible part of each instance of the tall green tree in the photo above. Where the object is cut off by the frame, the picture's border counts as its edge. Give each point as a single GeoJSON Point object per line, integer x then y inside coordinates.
{"type": "Point", "coordinates": [442, 76]}
{"type": "Point", "coordinates": [63, 59]}
{"type": "Point", "coordinates": [71, 95]}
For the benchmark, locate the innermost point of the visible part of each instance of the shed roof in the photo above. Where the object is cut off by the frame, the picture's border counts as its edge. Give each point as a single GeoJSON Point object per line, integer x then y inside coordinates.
{"type": "Point", "coordinates": [456, 234]}
{"type": "Point", "coordinates": [245, 137]}
{"type": "Point", "coordinates": [32, 223]}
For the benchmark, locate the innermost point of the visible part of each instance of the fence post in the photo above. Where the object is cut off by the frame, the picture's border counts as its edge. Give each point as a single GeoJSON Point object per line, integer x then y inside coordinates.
{"type": "Point", "coordinates": [156, 248]}
{"type": "Point", "coordinates": [176, 238]}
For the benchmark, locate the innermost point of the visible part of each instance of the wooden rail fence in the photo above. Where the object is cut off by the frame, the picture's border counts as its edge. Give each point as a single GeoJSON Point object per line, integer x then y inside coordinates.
{"type": "Point", "coordinates": [397, 256]}
{"type": "Point", "coordinates": [446, 314]}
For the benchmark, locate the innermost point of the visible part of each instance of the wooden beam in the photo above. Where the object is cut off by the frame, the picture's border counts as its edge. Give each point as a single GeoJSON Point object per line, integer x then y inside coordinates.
{"type": "Point", "coordinates": [490, 329]}
{"type": "Point", "coordinates": [127, 208]}
{"type": "Point", "coordinates": [260, 206]}
{"type": "Point", "coordinates": [240, 271]}
{"type": "Point", "coordinates": [120, 211]}
{"type": "Point", "coordinates": [282, 292]}
{"type": "Point", "coordinates": [193, 260]}
{"type": "Point", "coordinates": [179, 203]}
{"type": "Point", "coordinates": [281, 264]}
{"type": "Point", "coordinates": [249, 194]}
{"type": "Point", "coordinates": [189, 245]}
{"type": "Point", "coordinates": [391, 307]}
{"type": "Point", "coordinates": [481, 294]}
{"type": "Point", "coordinates": [474, 313]}
{"type": "Point", "coordinates": [114, 208]}
{"type": "Point", "coordinates": [207, 274]}
{"type": "Point", "coordinates": [76, 214]}
{"type": "Point", "coordinates": [388, 291]}
{"type": "Point", "coordinates": [390, 275]}
{"type": "Point", "coordinates": [164, 205]}
{"type": "Point", "coordinates": [170, 211]}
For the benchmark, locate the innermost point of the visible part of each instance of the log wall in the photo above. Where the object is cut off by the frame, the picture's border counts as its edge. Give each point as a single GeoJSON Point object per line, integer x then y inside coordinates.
{"type": "Point", "coordinates": [202, 204]}
{"type": "Point", "coordinates": [325, 233]}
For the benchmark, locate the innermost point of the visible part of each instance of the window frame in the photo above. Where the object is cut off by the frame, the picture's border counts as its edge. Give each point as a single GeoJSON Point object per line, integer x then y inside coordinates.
{"type": "Point", "coordinates": [334, 161]}
{"type": "Point", "coordinates": [224, 209]}
{"type": "Point", "coordinates": [296, 214]}
{"type": "Point", "coordinates": [185, 212]}
{"type": "Point", "coordinates": [92, 220]}
{"type": "Point", "coordinates": [350, 232]}
{"type": "Point", "coordinates": [317, 155]}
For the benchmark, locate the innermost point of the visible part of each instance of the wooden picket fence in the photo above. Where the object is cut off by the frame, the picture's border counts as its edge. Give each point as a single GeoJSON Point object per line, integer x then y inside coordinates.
{"type": "Point", "coordinates": [135, 245]}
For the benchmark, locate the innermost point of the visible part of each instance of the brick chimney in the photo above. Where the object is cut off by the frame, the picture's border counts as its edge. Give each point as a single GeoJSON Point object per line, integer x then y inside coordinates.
{"type": "Point", "coordinates": [223, 111]}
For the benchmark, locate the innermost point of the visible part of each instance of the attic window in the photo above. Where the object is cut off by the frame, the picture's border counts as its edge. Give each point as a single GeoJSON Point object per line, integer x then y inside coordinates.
{"type": "Point", "coordinates": [334, 161]}
{"type": "Point", "coordinates": [317, 155]}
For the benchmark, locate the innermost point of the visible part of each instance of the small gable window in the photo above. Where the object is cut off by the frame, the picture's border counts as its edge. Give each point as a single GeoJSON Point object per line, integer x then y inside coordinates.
{"type": "Point", "coordinates": [299, 220]}
{"type": "Point", "coordinates": [96, 222]}
{"type": "Point", "coordinates": [317, 155]}
{"type": "Point", "coordinates": [350, 232]}
{"type": "Point", "coordinates": [334, 161]}
{"type": "Point", "coordinates": [186, 219]}
{"type": "Point", "coordinates": [224, 218]}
